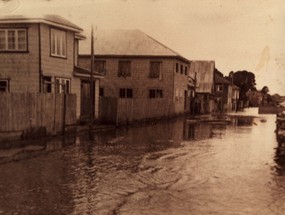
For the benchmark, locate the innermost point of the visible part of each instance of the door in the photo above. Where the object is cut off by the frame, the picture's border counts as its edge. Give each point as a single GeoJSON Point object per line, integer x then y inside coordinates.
{"type": "Point", "coordinates": [86, 101]}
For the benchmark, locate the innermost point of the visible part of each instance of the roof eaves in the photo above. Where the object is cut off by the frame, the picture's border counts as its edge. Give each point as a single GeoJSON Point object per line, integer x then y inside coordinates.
{"type": "Point", "coordinates": [135, 56]}
{"type": "Point", "coordinates": [39, 20]}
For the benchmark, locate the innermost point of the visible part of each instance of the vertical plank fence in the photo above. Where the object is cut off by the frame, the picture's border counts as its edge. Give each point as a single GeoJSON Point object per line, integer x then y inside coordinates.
{"type": "Point", "coordinates": [124, 111]}
{"type": "Point", "coordinates": [20, 112]}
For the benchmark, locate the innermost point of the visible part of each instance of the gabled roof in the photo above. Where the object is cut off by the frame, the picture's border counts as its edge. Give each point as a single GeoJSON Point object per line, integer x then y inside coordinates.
{"type": "Point", "coordinates": [221, 80]}
{"type": "Point", "coordinates": [126, 43]}
{"type": "Point", "coordinates": [53, 20]}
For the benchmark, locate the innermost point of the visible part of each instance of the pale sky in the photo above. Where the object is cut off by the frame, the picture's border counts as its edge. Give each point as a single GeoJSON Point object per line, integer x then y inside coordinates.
{"type": "Point", "coordinates": [237, 34]}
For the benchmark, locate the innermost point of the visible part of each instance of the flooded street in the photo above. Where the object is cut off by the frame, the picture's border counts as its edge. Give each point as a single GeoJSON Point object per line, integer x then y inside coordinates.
{"type": "Point", "coordinates": [174, 167]}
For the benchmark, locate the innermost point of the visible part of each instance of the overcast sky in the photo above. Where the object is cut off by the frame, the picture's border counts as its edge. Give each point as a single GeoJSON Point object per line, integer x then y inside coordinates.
{"type": "Point", "coordinates": [237, 34]}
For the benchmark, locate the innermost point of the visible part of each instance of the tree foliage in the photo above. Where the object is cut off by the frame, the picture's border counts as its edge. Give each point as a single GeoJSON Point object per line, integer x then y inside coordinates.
{"type": "Point", "coordinates": [265, 90]}
{"type": "Point", "coordinates": [245, 80]}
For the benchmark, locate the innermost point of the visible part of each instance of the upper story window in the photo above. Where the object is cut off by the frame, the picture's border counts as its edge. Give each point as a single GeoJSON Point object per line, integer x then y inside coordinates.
{"type": "Point", "coordinates": [100, 66]}
{"type": "Point", "coordinates": [186, 70]}
{"type": "Point", "coordinates": [4, 85]}
{"type": "Point", "coordinates": [13, 40]}
{"type": "Point", "coordinates": [219, 88]}
{"type": "Point", "coordinates": [177, 67]}
{"type": "Point", "coordinates": [181, 69]}
{"type": "Point", "coordinates": [62, 85]}
{"type": "Point", "coordinates": [155, 70]}
{"type": "Point", "coordinates": [58, 43]}
{"type": "Point", "coordinates": [124, 69]}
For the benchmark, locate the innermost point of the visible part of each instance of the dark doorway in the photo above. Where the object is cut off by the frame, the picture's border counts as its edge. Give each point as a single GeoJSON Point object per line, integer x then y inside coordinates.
{"type": "Point", "coordinates": [86, 101]}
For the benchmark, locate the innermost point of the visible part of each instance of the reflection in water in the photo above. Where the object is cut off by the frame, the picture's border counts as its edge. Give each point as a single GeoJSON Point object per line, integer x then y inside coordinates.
{"type": "Point", "coordinates": [280, 159]}
{"type": "Point", "coordinates": [242, 120]}
{"type": "Point", "coordinates": [166, 168]}
{"type": "Point", "coordinates": [30, 149]}
{"type": "Point", "coordinates": [197, 131]}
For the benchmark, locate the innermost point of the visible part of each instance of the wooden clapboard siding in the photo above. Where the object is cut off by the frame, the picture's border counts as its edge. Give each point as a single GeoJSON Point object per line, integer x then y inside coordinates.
{"type": "Point", "coordinates": [22, 111]}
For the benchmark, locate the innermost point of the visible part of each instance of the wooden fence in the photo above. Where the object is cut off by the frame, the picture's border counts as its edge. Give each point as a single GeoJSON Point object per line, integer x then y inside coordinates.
{"type": "Point", "coordinates": [21, 112]}
{"type": "Point", "coordinates": [125, 111]}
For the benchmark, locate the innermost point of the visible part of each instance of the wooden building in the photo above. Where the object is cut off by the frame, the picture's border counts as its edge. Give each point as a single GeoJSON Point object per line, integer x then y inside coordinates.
{"type": "Point", "coordinates": [40, 54]}
{"type": "Point", "coordinates": [205, 87]}
{"type": "Point", "coordinates": [139, 68]}
{"type": "Point", "coordinates": [227, 94]}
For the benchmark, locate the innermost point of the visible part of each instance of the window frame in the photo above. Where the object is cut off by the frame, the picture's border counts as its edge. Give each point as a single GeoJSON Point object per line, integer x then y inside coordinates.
{"type": "Point", "coordinates": [152, 74]}
{"type": "Point", "coordinates": [59, 87]}
{"type": "Point", "coordinates": [101, 92]}
{"type": "Point", "coordinates": [186, 70]}
{"type": "Point", "coordinates": [62, 44]}
{"type": "Point", "coordinates": [47, 84]}
{"type": "Point", "coordinates": [126, 93]}
{"type": "Point", "coordinates": [177, 67]}
{"type": "Point", "coordinates": [98, 64]}
{"type": "Point", "coordinates": [16, 40]}
{"type": "Point", "coordinates": [155, 93]}
{"type": "Point", "coordinates": [7, 85]}
{"type": "Point", "coordinates": [122, 73]}
{"type": "Point", "coordinates": [219, 88]}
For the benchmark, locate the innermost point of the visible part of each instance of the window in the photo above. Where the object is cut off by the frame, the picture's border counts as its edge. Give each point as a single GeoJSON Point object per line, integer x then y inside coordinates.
{"type": "Point", "coordinates": [177, 67]}
{"type": "Point", "coordinates": [58, 43]}
{"type": "Point", "coordinates": [219, 88]}
{"type": "Point", "coordinates": [186, 70]}
{"type": "Point", "coordinates": [13, 40]}
{"type": "Point", "coordinates": [178, 95]}
{"type": "Point", "coordinates": [124, 69]}
{"type": "Point", "coordinates": [181, 69]}
{"type": "Point", "coordinates": [101, 91]}
{"type": "Point", "coordinates": [155, 70]}
{"type": "Point", "coordinates": [62, 85]}
{"type": "Point", "coordinates": [155, 93]}
{"type": "Point", "coordinates": [99, 66]}
{"type": "Point", "coordinates": [4, 85]}
{"type": "Point", "coordinates": [126, 93]}
{"type": "Point", "coordinates": [47, 84]}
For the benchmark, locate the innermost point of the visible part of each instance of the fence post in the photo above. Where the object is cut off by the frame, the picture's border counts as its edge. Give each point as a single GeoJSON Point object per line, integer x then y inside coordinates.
{"type": "Point", "coordinates": [63, 114]}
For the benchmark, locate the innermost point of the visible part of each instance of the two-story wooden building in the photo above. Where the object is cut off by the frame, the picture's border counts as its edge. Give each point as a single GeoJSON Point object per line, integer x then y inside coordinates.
{"type": "Point", "coordinates": [40, 54]}
{"type": "Point", "coordinates": [226, 93]}
{"type": "Point", "coordinates": [139, 68]}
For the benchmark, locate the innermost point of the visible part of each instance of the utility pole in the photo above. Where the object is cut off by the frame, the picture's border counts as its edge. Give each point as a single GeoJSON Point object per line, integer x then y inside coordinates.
{"type": "Point", "coordinates": [91, 85]}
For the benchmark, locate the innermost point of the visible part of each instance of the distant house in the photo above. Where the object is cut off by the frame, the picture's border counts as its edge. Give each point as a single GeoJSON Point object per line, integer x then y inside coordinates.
{"type": "Point", "coordinates": [227, 94]}
{"type": "Point", "coordinates": [205, 88]}
{"type": "Point", "coordinates": [139, 68]}
{"type": "Point", "coordinates": [40, 54]}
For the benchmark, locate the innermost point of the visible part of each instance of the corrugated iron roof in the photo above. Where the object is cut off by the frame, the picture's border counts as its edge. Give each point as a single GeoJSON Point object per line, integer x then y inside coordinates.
{"type": "Point", "coordinates": [125, 43]}
{"type": "Point", "coordinates": [204, 75]}
{"type": "Point", "coordinates": [33, 18]}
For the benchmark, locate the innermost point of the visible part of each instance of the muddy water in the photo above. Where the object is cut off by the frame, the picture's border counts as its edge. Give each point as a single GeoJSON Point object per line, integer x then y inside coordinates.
{"type": "Point", "coordinates": [166, 168]}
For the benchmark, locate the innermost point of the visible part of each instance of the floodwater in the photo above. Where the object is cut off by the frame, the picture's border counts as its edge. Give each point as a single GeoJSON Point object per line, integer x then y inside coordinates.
{"type": "Point", "coordinates": [171, 167]}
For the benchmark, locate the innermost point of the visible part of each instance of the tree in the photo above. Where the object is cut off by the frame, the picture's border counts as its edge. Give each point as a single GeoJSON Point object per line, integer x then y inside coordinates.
{"type": "Point", "coordinates": [245, 80]}
{"type": "Point", "coordinates": [264, 90]}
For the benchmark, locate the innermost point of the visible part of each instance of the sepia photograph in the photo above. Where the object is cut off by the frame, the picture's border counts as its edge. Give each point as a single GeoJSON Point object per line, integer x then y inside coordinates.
{"type": "Point", "coordinates": [142, 107]}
